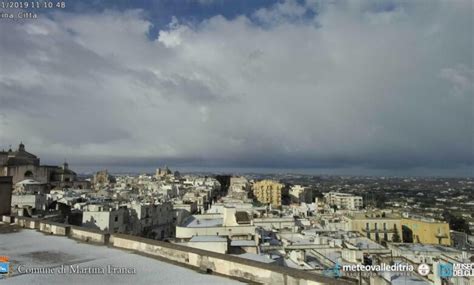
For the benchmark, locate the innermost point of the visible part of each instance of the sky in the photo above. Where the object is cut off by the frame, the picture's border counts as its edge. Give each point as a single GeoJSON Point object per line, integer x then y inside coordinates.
{"type": "Point", "coordinates": [351, 87]}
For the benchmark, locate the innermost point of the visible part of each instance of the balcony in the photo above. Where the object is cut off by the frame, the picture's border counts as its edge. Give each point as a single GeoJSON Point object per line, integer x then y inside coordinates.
{"type": "Point", "coordinates": [441, 235]}
{"type": "Point", "coordinates": [365, 230]}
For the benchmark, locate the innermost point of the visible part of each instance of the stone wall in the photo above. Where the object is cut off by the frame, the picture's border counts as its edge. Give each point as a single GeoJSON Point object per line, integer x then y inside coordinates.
{"type": "Point", "coordinates": [29, 223]}
{"type": "Point", "coordinates": [228, 265]}
{"type": "Point", "coordinates": [54, 228]}
{"type": "Point", "coordinates": [89, 235]}
{"type": "Point", "coordinates": [8, 219]}
{"type": "Point", "coordinates": [189, 232]}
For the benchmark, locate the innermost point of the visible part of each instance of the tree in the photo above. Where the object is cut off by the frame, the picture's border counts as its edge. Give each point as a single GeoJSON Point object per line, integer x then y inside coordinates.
{"type": "Point", "coordinates": [457, 223]}
{"type": "Point", "coordinates": [407, 235]}
{"type": "Point", "coordinates": [395, 236]}
{"type": "Point", "coordinates": [316, 194]}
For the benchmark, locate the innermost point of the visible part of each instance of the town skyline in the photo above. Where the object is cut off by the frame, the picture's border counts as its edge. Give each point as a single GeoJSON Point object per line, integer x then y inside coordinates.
{"type": "Point", "coordinates": [135, 166]}
{"type": "Point", "coordinates": [292, 223]}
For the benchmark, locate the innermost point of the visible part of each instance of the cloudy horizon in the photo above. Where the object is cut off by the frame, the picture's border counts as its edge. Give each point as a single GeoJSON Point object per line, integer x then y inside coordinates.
{"type": "Point", "coordinates": [349, 87]}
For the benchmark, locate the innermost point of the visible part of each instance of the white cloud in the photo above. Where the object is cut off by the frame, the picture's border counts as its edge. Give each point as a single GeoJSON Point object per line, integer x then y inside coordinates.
{"type": "Point", "coordinates": [461, 77]}
{"type": "Point", "coordinates": [174, 36]}
{"type": "Point", "coordinates": [351, 85]}
{"type": "Point", "coordinates": [280, 12]}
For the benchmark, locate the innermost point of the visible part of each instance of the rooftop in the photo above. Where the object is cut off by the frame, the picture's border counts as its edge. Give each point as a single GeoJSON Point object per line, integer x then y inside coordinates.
{"type": "Point", "coordinates": [208, 239]}
{"type": "Point", "coordinates": [200, 222]}
{"type": "Point", "coordinates": [364, 243]}
{"type": "Point", "coordinates": [426, 248]}
{"type": "Point", "coordinates": [33, 249]}
{"type": "Point", "coordinates": [243, 243]}
{"type": "Point", "coordinates": [256, 257]}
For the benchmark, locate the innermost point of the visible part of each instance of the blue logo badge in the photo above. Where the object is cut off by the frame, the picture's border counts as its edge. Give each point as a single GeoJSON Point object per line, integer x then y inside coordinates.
{"type": "Point", "coordinates": [334, 271]}
{"type": "Point", "coordinates": [445, 270]}
{"type": "Point", "coordinates": [4, 266]}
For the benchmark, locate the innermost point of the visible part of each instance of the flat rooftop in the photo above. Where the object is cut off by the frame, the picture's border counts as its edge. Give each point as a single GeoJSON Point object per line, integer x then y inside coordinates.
{"type": "Point", "coordinates": [427, 248]}
{"type": "Point", "coordinates": [297, 238]}
{"type": "Point", "coordinates": [256, 257]}
{"type": "Point", "coordinates": [32, 249]}
{"type": "Point", "coordinates": [243, 243]}
{"type": "Point", "coordinates": [364, 243]}
{"type": "Point", "coordinates": [208, 239]}
{"type": "Point", "coordinates": [201, 222]}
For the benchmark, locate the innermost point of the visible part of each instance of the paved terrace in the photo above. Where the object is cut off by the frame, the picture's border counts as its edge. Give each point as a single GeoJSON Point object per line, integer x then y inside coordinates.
{"type": "Point", "coordinates": [34, 249]}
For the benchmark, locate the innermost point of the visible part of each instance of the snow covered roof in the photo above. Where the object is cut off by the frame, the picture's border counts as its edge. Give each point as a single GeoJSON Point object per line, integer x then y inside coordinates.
{"type": "Point", "coordinates": [243, 243]}
{"type": "Point", "coordinates": [34, 249]}
{"type": "Point", "coordinates": [256, 257]}
{"type": "Point", "coordinates": [200, 222]}
{"type": "Point", "coordinates": [208, 239]}
{"type": "Point", "coordinates": [29, 182]}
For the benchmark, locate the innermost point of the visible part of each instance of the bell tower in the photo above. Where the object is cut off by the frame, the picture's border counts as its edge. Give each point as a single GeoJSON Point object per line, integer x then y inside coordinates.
{"type": "Point", "coordinates": [21, 147]}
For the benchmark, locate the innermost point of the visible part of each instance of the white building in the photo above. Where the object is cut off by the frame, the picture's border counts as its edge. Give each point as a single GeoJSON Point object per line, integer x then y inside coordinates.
{"type": "Point", "coordinates": [34, 201]}
{"type": "Point", "coordinates": [217, 244]}
{"type": "Point", "coordinates": [105, 218]}
{"type": "Point", "coordinates": [231, 223]}
{"type": "Point", "coordinates": [343, 200]}
{"type": "Point", "coordinates": [239, 188]}
{"type": "Point", "coordinates": [168, 190]}
{"type": "Point", "coordinates": [300, 194]}
{"type": "Point", "coordinates": [151, 220]}
{"type": "Point", "coordinates": [29, 186]}
{"type": "Point", "coordinates": [201, 198]}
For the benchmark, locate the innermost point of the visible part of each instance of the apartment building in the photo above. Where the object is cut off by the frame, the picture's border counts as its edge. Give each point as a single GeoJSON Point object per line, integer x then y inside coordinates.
{"type": "Point", "coordinates": [268, 192]}
{"type": "Point", "coordinates": [343, 200]}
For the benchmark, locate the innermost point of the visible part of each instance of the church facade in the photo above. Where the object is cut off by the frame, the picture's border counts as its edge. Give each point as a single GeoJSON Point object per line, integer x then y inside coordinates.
{"type": "Point", "coordinates": [22, 165]}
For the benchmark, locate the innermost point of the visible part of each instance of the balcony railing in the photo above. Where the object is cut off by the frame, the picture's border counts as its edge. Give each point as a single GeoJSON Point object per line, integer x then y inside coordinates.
{"type": "Point", "coordinates": [378, 230]}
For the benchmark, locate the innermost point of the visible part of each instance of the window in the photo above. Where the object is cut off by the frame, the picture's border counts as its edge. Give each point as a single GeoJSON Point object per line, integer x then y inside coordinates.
{"type": "Point", "coordinates": [116, 218]}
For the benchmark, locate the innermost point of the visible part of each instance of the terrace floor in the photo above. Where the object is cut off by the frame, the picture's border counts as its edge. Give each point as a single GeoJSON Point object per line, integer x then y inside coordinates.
{"type": "Point", "coordinates": [32, 249]}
